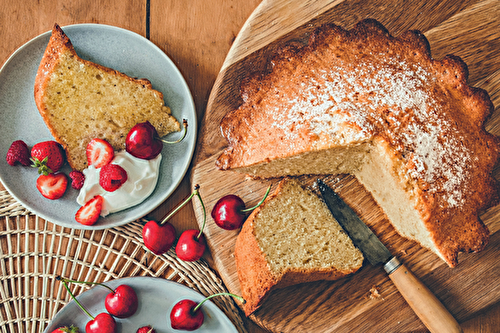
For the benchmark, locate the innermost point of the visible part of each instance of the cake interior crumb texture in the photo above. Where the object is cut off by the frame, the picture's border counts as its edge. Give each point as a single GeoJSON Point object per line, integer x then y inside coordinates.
{"type": "Point", "coordinates": [296, 230]}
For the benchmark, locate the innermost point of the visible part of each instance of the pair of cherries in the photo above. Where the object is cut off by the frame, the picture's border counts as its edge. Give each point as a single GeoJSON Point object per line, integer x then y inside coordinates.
{"type": "Point", "coordinates": [228, 213]}
{"type": "Point", "coordinates": [121, 302]}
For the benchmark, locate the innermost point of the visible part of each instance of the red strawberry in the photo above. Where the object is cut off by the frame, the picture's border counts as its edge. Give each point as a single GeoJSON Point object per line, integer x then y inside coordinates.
{"type": "Point", "coordinates": [66, 329]}
{"type": "Point", "coordinates": [78, 179]}
{"type": "Point", "coordinates": [52, 186]}
{"type": "Point", "coordinates": [18, 153]}
{"type": "Point", "coordinates": [112, 176]}
{"type": "Point", "coordinates": [99, 153]}
{"type": "Point", "coordinates": [47, 156]}
{"type": "Point", "coordinates": [146, 329]}
{"type": "Point", "coordinates": [89, 213]}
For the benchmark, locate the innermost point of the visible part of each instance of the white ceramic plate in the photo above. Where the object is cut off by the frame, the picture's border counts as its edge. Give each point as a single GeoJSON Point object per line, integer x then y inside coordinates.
{"type": "Point", "coordinates": [113, 47]}
{"type": "Point", "coordinates": [156, 298]}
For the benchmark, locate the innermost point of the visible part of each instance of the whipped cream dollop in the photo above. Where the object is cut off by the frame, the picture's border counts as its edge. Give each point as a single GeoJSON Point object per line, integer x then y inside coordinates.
{"type": "Point", "coordinates": [142, 176]}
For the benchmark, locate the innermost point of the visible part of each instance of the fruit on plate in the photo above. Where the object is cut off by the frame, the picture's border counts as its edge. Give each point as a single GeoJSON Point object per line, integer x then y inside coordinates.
{"type": "Point", "coordinates": [47, 157]}
{"type": "Point", "coordinates": [146, 329]}
{"type": "Point", "coordinates": [89, 213]}
{"type": "Point", "coordinates": [144, 142]}
{"type": "Point", "coordinates": [121, 302]}
{"type": "Point", "coordinates": [77, 179]}
{"type": "Point", "coordinates": [99, 153]}
{"type": "Point", "coordinates": [52, 186]}
{"type": "Point", "coordinates": [187, 315]}
{"type": "Point", "coordinates": [66, 329]}
{"type": "Point", "coordinates": [102, 323]}
{"type": "Point", "coordinates": [229, 212]}
{"type": "Point", "coordinates": [18, 153]}
{"type": "Point", "coordinates": [112, 176]}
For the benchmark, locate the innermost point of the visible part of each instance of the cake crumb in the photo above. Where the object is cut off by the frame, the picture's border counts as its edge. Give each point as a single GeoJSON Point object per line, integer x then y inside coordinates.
{"type": "Point", "coordinates": [374, 293]}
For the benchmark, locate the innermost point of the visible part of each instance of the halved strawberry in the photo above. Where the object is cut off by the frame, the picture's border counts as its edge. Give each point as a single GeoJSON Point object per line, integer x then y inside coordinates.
{"type": "Point", "coordinates": [66, 329]}
{"type": "Point", "coordinates": [89, 213]}
{"type": "Point", "coordinates": [52, 186]}
{"type": "Point", "coordinates": [99, 153]}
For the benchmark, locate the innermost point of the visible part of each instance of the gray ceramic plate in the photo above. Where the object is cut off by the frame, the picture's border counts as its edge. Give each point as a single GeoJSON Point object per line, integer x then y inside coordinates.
{"type": "Point", "coordinates": [156, 298]}
{"type": "Point", "coordinates": [113, 47]}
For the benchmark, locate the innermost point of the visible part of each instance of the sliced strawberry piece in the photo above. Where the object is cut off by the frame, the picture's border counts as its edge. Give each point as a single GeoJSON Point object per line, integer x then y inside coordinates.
{"type": "Point", "coordinates": [112, 176]}
{"type": "Point", "coordinates": [52, 186]}
{"type": "Point", "coordinates": [99, 153]}
{"type": "Point", "coordinates": [89, 213]}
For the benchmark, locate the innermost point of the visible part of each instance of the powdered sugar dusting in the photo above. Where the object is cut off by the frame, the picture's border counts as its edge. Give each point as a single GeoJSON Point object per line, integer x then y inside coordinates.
{"type": "Point", "coordinates": [351, 102]}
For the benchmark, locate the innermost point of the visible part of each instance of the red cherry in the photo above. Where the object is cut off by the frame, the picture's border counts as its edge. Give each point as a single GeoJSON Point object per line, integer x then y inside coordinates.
{"type": "Point", "coordinates": [157, 237]}
{"type": "Point", "coordinates": [187, 315]}
{"type": "Point", "coordinates": [122, 302]}
{"type": "Point", "coordinates": [102, 323]}
{"type": "Point", "coordinates": [191, 245]}
{"type": "Point", "coordinates": [229, 212]}
{"type": "Point", "coordinates": [142, 140]}
{"type": "Point", "coordinates": [183, 316]}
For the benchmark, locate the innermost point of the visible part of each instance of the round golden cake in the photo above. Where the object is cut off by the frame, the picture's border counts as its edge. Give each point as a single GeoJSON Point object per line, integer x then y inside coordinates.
{"type": "Point", "coordinates": [363, 102]}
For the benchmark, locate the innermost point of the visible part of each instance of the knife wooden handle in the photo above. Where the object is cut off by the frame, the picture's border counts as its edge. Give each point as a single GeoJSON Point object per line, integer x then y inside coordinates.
{"type": "Point", "coordinates": [425, 304]}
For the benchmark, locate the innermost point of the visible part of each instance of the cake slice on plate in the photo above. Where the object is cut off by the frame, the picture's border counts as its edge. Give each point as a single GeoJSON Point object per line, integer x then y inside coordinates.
{"type": "Point", "coordinates": [80, 100]}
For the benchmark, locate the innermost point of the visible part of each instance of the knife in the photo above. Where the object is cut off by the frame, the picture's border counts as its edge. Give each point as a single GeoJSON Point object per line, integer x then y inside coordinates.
{"type": "Point", "coordinates": [423, 302]}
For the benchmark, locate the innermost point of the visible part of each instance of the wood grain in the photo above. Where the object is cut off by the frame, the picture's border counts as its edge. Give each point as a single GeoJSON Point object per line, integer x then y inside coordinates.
{"type": "Point", "coordinates": [467, 29]}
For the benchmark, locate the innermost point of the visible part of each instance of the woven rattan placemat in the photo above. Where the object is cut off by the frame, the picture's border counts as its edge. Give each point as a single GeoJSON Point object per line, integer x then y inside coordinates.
{"type": "Point", "coordinates": [34, 251]}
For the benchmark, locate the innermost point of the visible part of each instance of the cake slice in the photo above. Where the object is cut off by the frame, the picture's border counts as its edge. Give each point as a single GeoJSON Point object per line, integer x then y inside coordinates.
{"type": "Point", "coordinates": [291, 238]}
{"type": "Point", "coordinates": [80, 100]}
{"type": "Point", "coordinates": [362, 102]}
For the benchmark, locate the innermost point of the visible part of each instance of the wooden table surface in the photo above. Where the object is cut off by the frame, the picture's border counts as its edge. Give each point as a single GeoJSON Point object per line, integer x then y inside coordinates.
{"type": "Point", "coordinates": [195, 34]}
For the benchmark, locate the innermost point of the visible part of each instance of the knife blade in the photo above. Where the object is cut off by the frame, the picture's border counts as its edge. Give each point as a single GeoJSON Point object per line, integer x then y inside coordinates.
{"type": "Point", "coordinates": [423, 302]}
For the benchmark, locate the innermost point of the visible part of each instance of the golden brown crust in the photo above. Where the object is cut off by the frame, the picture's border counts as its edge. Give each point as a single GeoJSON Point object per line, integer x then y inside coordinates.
{"type": "Point", "coordinates": [372, 85]}
{"type": "Point", "coordinates": [256, 279]}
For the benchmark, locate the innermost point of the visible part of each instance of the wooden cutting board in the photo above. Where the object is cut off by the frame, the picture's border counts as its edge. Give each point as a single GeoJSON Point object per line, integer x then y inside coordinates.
{"type": "Point", "coordinates": [469, 29]}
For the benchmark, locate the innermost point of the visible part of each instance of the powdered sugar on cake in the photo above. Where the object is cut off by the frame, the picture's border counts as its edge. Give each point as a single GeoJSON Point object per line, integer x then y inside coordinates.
{"type": "Point", "coordinates": [375, 97]}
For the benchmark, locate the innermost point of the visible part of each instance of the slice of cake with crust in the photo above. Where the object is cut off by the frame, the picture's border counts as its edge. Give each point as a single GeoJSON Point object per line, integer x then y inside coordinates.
{"type": "Point", "coordinates": [80, 100]}
{"type": "Point", "coordinates": [363, 102]}
{"type": "Point", "coordinates": [291, 238]}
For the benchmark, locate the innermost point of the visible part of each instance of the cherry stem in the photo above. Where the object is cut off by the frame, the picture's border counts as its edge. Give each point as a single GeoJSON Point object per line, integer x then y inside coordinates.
{"type": "Point", "coordinates": [260, 202]}
{"type": "Point", "coordinates": [241, 299]}
{"type": "Point", "coordinates": [184, 132]}
{"type": "Point", "coordinates": [64, 281]}
{"type": "Point", "coordinates": [91, 283]}
{"type": "Point", "coordinates": [178, 208]}
{"type": "Point", "coordinates": [204, 215]}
